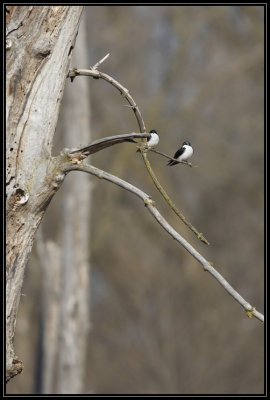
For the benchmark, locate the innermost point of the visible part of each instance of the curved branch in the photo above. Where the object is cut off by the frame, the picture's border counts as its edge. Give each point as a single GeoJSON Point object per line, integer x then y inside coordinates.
{"type": "Point", "coordinates": [123, 91]}
{"type": "Point", "coordinates": [150, 204]}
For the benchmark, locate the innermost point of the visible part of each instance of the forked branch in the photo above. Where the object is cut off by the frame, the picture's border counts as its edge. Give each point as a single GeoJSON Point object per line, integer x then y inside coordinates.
{"type": "Point", "coordinates": [73, 163]}
{"type": "Point", "coordinates": [125, 93]}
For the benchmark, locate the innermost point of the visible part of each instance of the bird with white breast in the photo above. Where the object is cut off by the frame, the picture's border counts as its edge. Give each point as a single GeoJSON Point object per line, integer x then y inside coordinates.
{"type": "Point", "coordinates": [182, 154]}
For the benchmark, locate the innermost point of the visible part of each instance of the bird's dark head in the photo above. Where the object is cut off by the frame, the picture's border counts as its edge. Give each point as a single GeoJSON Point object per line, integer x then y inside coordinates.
{"type": "Point", "coordinates": [186, 143]}
{"type": "Point", "coordinates": [153, 131]}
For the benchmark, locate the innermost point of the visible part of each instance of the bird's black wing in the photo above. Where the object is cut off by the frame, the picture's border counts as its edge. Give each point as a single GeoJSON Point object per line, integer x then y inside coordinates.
{"type": "Point", "coordinates": [177, 154]}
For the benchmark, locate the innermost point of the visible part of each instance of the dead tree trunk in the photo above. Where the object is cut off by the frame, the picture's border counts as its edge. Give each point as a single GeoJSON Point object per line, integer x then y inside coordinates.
{"type": "Point", "coordinates": [39, 44]}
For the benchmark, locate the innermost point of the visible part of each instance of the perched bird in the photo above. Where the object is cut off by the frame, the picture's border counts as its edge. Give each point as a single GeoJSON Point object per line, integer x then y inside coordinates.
{"type": "Point", "coordinates": [182, 154]}
{"type": "Point", "coordinates": [153, 140]}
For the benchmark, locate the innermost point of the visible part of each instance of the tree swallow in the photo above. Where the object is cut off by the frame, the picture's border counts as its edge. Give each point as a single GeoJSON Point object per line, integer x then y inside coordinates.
{"type": "Point", "coordinates": [182, 154]}
{"type": "Point", "coordinates": [153, 140]}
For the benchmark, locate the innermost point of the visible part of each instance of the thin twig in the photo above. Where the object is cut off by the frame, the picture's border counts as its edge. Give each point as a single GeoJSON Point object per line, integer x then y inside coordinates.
{"type": "Point", "coordinates": [150, 204]}
{"type": "Point", "coordinates": [171, 158]}
{"type": "Point", "coordinates": [100, 62]}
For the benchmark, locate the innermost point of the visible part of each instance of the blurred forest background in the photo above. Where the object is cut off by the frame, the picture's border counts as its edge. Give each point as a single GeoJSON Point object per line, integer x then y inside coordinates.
{"type": "Point", "coordinates": [159, 324]}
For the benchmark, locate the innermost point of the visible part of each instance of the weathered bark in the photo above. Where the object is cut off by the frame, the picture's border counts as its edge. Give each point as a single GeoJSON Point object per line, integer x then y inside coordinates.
{"type": "Point", "coordinates": [39, 41]}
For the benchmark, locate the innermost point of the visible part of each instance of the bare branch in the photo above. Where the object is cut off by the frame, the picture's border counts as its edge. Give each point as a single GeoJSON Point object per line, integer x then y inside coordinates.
{"type": "Point", "coordinates": [100, 144]}
{"type": "Point", "coordinates": [150, 204]}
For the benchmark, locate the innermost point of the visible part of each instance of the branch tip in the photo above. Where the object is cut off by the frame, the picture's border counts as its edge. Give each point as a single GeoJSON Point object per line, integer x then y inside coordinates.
{"type": "Point", "coordinates": [100, 62]}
